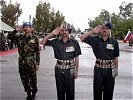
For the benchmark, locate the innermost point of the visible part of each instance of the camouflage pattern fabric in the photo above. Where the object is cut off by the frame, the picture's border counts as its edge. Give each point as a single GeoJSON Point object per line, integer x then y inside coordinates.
{"type": "Point", "coordinates": [29, 57]}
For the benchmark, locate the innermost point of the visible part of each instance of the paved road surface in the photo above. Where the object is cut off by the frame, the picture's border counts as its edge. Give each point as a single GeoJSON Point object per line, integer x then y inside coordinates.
{"type": "Point", "coordinates": [11, 87]}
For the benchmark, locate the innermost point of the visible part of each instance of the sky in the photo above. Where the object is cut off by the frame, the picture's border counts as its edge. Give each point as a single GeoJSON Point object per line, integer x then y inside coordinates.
{"type": "Point", "coordinates": [76, 12]}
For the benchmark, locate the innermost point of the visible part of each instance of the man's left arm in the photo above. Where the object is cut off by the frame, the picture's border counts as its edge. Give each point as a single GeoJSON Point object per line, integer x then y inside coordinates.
{"type": "Point", "coordinates": [116, 58]}
{"type": "Point", "coordinates": [76, 67]}
{"type": "Point", "coordinates": [77, 53]}
{"type": "Point", "coordinates": [37, 55]}
{"type": "Point", "coordinates": [116, 66]}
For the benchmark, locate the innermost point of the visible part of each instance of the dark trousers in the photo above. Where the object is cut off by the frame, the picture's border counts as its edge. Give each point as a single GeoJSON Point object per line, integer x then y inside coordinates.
{"type": "Point", "coordinates": [65, 83]}
{"type": "Point", "coordinates": [28, 78]}
{"type": "Point", "coordinates": [103, 84]}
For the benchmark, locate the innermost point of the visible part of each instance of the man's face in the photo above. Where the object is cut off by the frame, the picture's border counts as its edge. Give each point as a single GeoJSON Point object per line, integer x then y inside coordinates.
{"type": "Point", "coordinates": [27, 29]}
{"type": "Point", "coordinates": [105, 30]}
{"type": "Point", "coordinates": [64, 32]}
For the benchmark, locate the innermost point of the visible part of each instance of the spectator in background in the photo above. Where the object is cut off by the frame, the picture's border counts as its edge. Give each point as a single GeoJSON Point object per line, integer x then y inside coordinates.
{"type": "Point", "coordinates": [2, 41]}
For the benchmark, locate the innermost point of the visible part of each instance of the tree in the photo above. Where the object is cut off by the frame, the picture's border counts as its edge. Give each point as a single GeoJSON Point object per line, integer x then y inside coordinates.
{"type": "Point", "coordinates": [126, 10]}
{"type": "Point", "coordinates": [121, 22]}
{"type": "Point", "coordinates": [41, 19]}
{"type": "Point", "coordinates": [104, 16]}
{"type": "Point", "coordinates": [2, 3]}
{"type": "Point", "coordinates": [46, 18]}
{"type": "Point", "coordinates": [56, 19]}
{"type": "Point", "coordinates": [10, 12]}
{"type": "Point", "coordinates": [126, 14]}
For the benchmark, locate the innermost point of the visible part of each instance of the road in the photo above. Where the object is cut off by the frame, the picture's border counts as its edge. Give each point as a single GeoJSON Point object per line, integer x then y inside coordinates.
{"type": "Point", "coordinates": [11, 87]}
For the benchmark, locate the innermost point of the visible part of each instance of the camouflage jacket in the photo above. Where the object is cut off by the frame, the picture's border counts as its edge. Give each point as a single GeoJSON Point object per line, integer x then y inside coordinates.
{"type": "Point", "coordinates": [29, 47]}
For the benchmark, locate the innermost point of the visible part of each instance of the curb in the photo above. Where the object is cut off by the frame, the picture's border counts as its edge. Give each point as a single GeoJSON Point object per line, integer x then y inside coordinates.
{"type": "Point", "coordinates": [3, 53]}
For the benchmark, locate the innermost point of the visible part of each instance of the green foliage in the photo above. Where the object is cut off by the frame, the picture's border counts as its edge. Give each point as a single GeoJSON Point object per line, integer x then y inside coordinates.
{"type": "Point", "coordinates": [126, 10]}
{"type": "Point", "coordinates": [121, 22]}
{"type": "Point", "coordinates": [10, 12]}
{"type": "Point", "coordinates": [46, 18]}
{"type": "Point", "coordinates": [104, 16]}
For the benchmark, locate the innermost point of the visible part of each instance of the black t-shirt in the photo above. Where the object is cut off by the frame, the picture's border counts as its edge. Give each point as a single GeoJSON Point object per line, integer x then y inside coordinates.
{"type": "Point", "coordinates": [65, 51]}
{"type": "Point", "coordinates": [105, 50]}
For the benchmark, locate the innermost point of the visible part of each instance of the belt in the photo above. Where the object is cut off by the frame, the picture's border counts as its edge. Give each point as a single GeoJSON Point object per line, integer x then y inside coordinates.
{"type": "Point", "coordinates": [28, 58]}
{"type": "Point", "coordinates": [65, 64]}
{"type": "Point", "coordinates": [104, 63]}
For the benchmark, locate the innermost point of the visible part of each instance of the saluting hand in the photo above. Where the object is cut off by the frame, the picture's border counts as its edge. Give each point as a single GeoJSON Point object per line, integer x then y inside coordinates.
{"type": "Point", "coordinates": [56, 31]}
{"type": "Point", "coordinates": [97, 29]}
{"type": "Point", "coordinates": [19, 28]}
{"type": "Point", "coordinates": [37, 67]}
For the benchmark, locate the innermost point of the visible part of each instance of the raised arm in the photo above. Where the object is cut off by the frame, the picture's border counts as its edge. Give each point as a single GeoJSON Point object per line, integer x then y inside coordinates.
{"type": "Point", "coordinates": [77, 67]}
{"type": "Point", "coordinates": [54, 32]}
{"type": "Point", "coordinates": [97, 29]}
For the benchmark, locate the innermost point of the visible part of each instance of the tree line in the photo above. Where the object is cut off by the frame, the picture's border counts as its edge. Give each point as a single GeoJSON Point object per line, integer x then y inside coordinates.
{"type": "Point", "coordinates": [46, 18]}
{"type": "Point", "coordinates": [121, 22]}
